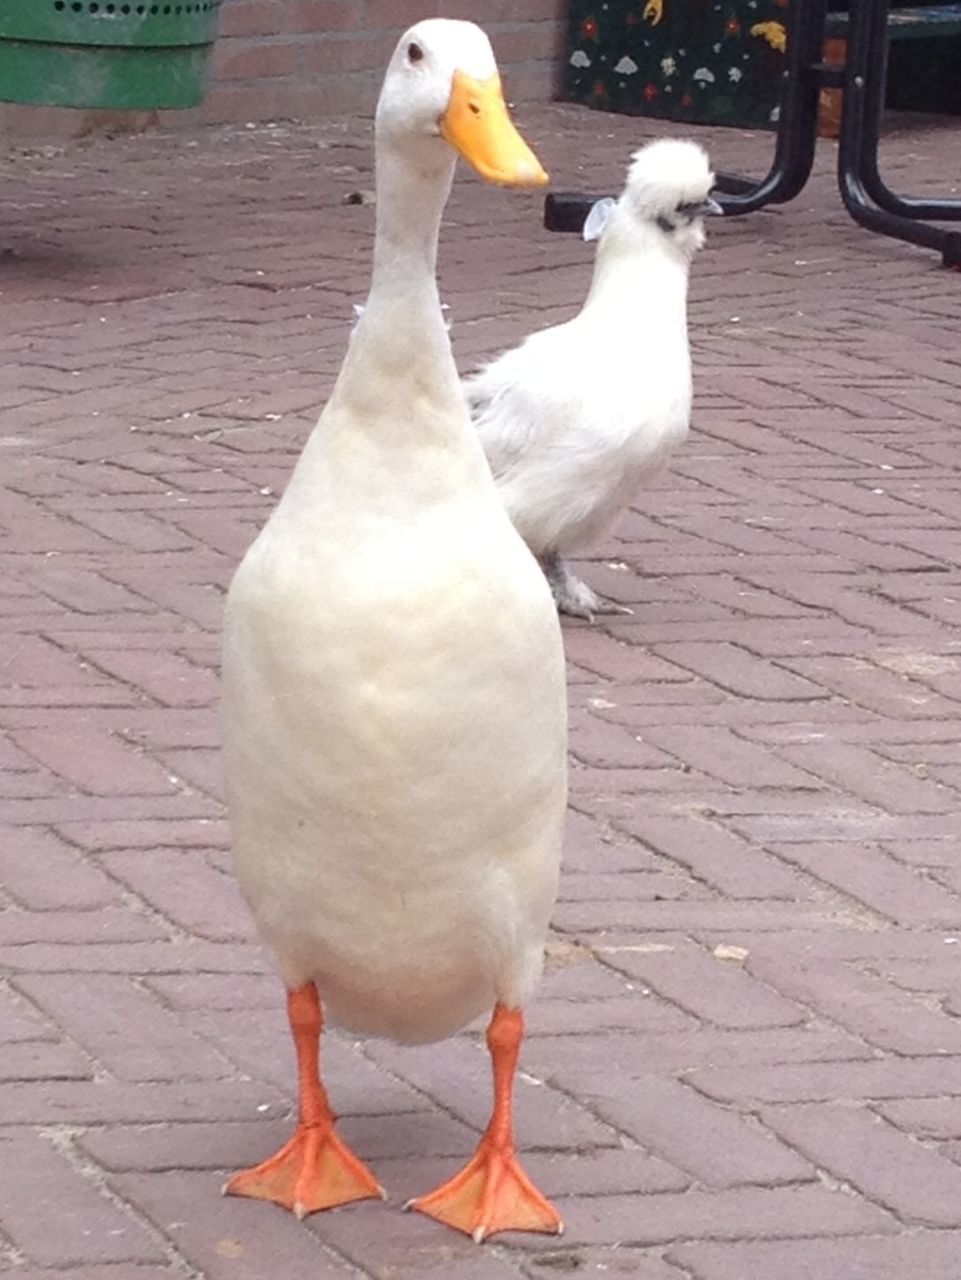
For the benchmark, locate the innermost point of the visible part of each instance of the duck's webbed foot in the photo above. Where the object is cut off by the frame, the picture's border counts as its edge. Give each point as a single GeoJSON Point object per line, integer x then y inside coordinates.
{"type": "Point", "coordinates": [573, 596]}
{"type": "Point", "coordinates": [492, 1192]}
{"type": "Point", "coordinates": [315, 1169]}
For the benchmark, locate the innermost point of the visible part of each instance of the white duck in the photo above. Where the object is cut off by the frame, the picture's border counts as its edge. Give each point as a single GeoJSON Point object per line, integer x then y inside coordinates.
{"type": "Point", "coordinates": [394, 699]}
{"type": "Point", "coordinates": [579, 415]}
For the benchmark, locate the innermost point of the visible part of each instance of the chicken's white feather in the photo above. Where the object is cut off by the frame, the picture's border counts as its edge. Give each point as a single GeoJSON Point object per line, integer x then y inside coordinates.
{"type": "Point", "coordinates": [580, 415]}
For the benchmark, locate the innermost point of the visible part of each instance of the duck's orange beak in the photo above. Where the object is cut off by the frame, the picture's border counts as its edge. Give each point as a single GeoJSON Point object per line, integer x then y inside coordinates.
{"type": "Point", "coordinates": [477, 125]}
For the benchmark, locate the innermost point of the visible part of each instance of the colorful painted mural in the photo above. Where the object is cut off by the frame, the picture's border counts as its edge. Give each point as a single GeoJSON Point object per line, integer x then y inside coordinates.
{"type": "Point", "coordinates": [697, 60]}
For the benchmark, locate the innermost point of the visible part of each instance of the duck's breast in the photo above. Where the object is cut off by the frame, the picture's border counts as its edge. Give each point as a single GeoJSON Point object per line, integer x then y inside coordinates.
{"type": "Point", "coordinates": [394, 721]}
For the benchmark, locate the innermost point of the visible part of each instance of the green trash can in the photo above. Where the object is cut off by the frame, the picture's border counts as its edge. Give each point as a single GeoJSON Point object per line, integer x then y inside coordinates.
{"type": "Point", "coordinates": [89, 53]}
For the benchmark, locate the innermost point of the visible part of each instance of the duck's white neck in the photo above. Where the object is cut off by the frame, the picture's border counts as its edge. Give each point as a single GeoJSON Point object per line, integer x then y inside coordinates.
{"type": "Point", "coordinates": [410, 201]}
{"type": "Point", "coordinates": [396, 429]}
{"type": "Point", "coordinates": [402, 328]}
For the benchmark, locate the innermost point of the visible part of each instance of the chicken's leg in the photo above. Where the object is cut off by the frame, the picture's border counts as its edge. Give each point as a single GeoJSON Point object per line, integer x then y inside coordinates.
{"type": "Point", "coordinates": [492, 1192]}
{"type": "Point", "coordinates": [571, 595]}
{"type": "Point", "coordinates": [314, 1170]}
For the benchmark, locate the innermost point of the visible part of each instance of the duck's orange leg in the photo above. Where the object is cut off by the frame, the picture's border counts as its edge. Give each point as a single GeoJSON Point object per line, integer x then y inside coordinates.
{"type": "Point", "coordinates": [314, 1170]}
{"type": "Point", "coordinates": [492, 1192]}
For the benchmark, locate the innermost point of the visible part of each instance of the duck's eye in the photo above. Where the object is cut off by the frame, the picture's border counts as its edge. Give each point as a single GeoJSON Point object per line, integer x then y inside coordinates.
{"type": "Point", "coordinates": [414, 53]}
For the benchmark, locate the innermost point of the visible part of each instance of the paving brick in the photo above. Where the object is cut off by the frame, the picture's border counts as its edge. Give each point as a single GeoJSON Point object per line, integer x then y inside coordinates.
{"type": "Point", "coordinates": [167, 677]}
{"type": "Point", "coordinates": [871, 687]}
{"type": "Point", "coordinates": [230, 1145]}
{"type": "Point", "coordinates": [847, 821]}
{"type": "Point", "coordinates": [880, 883]}
{"type": "Point", "coordinates": [590, 787]}
{"type": "Point", "coordinates": [871, 945]}
{"type": "Point", "coordinates": [229, 1241]}
{"type": "Point", "coordinates": [925, 1117]}
{"type": "Point", "coordinates": [888, 1166]}
{"type": "Point", "coordinates": [13, 760]}
{"type": "Point", "coordinates": [723, 755]}
{"type": "Point", "coordinates": [185, 888]}
{"type": "Point", "coordinates": [125, 1028]}
{"type": "Point", "coordinates": [864, 1004]}
{"type": "Point", "coordinates": [80, 807]}
{"type": "Point", "coordinates": [95, 762]}
{"type": "Point", "coordinates": [217, 991]}
{"type": "Point", "coordinates": [713, 989]}
{"type": "Point", "coordinates": [646, 886]}
{"type": "Point", "coordinates": [671, 1051]}
{"type": "Point", "coordinates": [19, 1020]}
{"type": "Point", "coordinates": [740, 672]}
{"type": "Point", "coordinates": [147, 833]}
{"type": "Point", "coordinates": [607, 746]}
{"type": "Point", "coordinates": [625, 663]}
{"type": "Point", "coordinates": [716, 1146]}
{"type": "Point", "coordinates": [638, 1009]}
{"type": "Point", "coordinates": [81, 1102]}
{"type": "Point", "coordinates": [935, 1255]}
{"type": "Point", "coordinates": [42, 1060]}
{"type": "Point", "coordinates": [860, 771]}
{"type": "Point", "coordinates": [64, 697]}
{"type": "Point", "coordinates": [599, 1261]}
{"type": "Point", "coordinates": [747, 1212]}
{"type": "Point", "coordinates": [33, 659]}
{"type": "Point", "coordinates": [389, 1243]}
{"type": "Point", "coordinates": [90, 1228]}
{"type": "Point", "coordinates": [616, 915]}
{"type": "Point", "coordinates": [259, 1045]}
{"type": "Point", "coordinates": [604, 1172]}
{"type": "Point", "coordinates": [460, 1082]}
{"type": "Point", "coordinates": [714, 855]}
{"type": "Point", "coordinates": [89, 928]}
{"type": "Point", "coordinates": [131, 1271]}
{"type": "Point", "coordinates": [27, 785]}
{"type": "Point", "coordinates": [830, 1081]}
{"type": "Point", "coordinates": [140, 958]}
{"type": "Point", "coordinates": [44, 874]}
{"type": "Point", "coordinates": [89, 593]}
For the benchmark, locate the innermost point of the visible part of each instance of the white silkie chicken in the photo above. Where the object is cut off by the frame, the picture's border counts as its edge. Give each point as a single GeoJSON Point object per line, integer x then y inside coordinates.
{"type": "Point", "coordinates": [394, 700]}
{"type": "Point", "coordinates": [579, 415]}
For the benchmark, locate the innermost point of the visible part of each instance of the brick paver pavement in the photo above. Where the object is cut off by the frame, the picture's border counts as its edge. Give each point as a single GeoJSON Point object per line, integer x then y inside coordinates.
{"type": "Point", "coordinates": [745, 1063]}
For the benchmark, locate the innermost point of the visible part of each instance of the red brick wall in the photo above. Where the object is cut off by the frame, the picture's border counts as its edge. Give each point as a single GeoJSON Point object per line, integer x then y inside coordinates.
{"type": "Point", "coordinates": [306, 58]}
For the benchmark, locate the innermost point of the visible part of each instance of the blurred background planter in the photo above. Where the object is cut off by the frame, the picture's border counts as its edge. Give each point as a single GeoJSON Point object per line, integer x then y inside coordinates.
{"type": "Point", "coordinates": [693, 60]}
{"type": "Point", "coordinates": [721, 61]}
{"type": "Point", "coordinates": [118, 55]}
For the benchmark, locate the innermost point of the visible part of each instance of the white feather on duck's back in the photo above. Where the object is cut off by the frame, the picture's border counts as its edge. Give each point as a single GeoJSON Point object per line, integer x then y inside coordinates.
{"type": "Point", "coordinates": [578, 416]}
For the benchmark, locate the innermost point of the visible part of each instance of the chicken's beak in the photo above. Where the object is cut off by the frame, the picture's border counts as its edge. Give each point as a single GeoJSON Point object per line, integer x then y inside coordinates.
{"type": "Point", "coordinates": [477, 125]}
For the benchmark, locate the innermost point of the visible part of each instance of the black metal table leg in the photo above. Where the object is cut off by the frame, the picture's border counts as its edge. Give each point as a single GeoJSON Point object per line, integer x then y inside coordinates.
{"type": "Point", "coordinates": [874, 53]}
{"type": "Point", "coordinates": [866, 196]}
{"type": "Point", "coordinates": [797, 122]}
{"type": "Point", "coordinates": [858, 177]}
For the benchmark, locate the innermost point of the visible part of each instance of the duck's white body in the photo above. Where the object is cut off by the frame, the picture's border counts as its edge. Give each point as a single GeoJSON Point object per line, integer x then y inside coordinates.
{"type": "Point", "coordinates": [394, 696]}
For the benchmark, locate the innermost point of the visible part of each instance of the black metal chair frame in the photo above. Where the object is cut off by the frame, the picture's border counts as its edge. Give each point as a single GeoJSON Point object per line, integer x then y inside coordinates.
{"type": "Point", "coordinates": [862, 78]}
